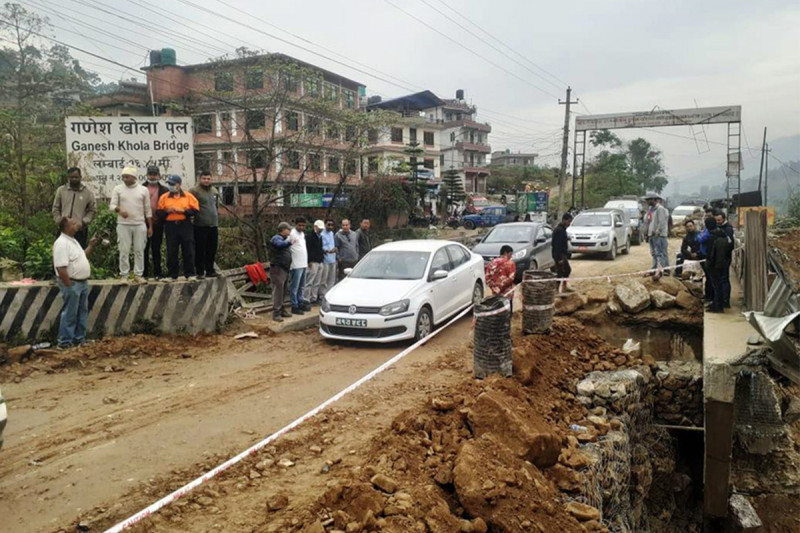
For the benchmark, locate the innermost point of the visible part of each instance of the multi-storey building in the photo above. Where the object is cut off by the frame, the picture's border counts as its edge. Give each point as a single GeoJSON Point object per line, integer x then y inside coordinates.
{"type": "Point", "coordinates": [445, 130]}
{"type": "Point", "coordinates": [508, 159]}
{"type": "Point", "coordinates": [130, 99]}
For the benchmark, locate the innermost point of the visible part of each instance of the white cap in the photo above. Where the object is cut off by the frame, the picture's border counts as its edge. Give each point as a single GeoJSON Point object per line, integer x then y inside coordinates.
{"type": "Point", "coordinates": [130, 171]}
{"type": "Point", "coordinates": [319, 224]}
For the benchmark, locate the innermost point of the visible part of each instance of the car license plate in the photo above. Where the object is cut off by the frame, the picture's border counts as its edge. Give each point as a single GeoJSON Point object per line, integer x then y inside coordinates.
{"type": "Point", "coordinates": [351, 322]}
{"type": "Point", "coordinates": [583, 248]}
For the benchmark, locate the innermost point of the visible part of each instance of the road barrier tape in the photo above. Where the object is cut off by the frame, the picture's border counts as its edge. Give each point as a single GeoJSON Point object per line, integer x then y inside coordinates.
{"type": "Point", "coordinates": [608, 277]}
{"type": "Point", "coordinates": [169, 498]}
{"type": "Point", "coordinates": [505, 309]}
{"type": "Point", "coordinates": [538, 307]}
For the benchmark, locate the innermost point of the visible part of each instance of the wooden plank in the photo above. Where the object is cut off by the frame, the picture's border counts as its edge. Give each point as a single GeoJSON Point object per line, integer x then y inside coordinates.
{"type": "Point", "coordinates": [247, 286]}
{"type": "Point", "coordinates": [259, 295]}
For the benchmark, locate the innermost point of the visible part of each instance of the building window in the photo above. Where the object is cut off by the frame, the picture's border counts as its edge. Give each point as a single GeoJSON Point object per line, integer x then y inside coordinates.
{"type": "Point", "coordinates": [412, 135]}
{"type": "Point", "coordinates": [314, 162]}
{"type": "Point", "coordinates": [397, 135]}
{"type": "Point", "coordinates": [332, 131]}
{"type": "Point", "coordinates": [254, 79]}
{"type": "Point", "coordinates": [313, 125]}
{"type": "Point", "coordinates": [350, 167]}
{"type": "Point", "coordinates": [441, 161]}
{"type": "Point", "coordinates": [223, 81]}
{"type": "Point", "coordinates": [428, 136]}
{"type": "Point", "coordinates": [372, 164]}
{"type": "Point", "coordinates": [312, 87]}
{"type": "Point", "coordinates": [292, 121]}
{"type": "Point", "coordinates": [428, 163]}
{"type": "Point", "coordinates": [453, 137]}
{"type": "Point", "coordinates": [227, 195]}
{"type": "Point", "coordinates": [293, 159]}
{"type": "Point", "coordinates": [203, 123]}
{"type": "Point", "coordinates": [332, 92]}
{"type": "Point", "coordinates": [333, 164]}
{"type": "Point", "coordinates": [255, 119]}
{"type": "Point", "coordinates": [256, 159]}
{"type": "Point", "coordinates": [203, 161]}
{"type": "Point", "coordinates": [350, 133]}
{"type": "Point", "coordinates": [372, 136]}
{"type": "Point", "coordinates": [225, 162]}
{"type": "Point", "coordinates": [289, 82]}
{"type": "Point", "coordinates": [350, 99]}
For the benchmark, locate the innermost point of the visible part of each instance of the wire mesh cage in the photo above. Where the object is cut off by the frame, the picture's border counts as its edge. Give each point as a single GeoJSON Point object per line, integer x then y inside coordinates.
{"type": "Point", "coordinates": [538, 297]}
{"type": "Point", "coordinates": [492, 342]}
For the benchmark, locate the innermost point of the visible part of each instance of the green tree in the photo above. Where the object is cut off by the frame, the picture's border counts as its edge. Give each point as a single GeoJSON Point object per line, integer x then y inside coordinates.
{"type": "Point", "coordinates": [452, 189]}
{"type": "Point", "coordinates": [378, 198]}
{"type": "Point", "coordinates": [414, 164]}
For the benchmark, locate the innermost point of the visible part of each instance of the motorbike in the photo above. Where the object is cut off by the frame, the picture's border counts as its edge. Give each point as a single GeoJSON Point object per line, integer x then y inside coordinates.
{"type": "Point", "coordinates": [453, 221]}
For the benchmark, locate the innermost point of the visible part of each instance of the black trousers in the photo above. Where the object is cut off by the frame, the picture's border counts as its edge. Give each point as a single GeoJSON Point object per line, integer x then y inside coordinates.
{"type": "Point", "coordinates": [153, 247]}
{"type": "Point", "coordinates": [205, 244]}
{"type": "Point", "coordinates": [180, 238]}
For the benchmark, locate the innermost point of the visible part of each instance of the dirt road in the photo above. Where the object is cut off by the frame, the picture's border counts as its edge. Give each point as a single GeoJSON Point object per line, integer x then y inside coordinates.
{"type": "Point", "coordinates": [100, 433]}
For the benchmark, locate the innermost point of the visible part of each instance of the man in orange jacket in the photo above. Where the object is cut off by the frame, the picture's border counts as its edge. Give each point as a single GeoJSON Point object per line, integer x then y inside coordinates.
{"type": "Point", "coordinates": [175, 209]}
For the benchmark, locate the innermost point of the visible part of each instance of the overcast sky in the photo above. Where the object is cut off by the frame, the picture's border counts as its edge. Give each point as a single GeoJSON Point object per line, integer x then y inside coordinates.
{"type": "Point", "coordinates": [618, 56]}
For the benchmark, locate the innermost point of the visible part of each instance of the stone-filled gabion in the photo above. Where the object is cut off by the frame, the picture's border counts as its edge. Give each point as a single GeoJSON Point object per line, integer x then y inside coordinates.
{"type": "Point", "coordinates": [679, 393]}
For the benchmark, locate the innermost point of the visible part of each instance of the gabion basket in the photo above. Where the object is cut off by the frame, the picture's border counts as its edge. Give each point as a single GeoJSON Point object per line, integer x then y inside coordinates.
{"type": "Point", "coordinates": [492, 343]}
{"type": "Point", "coordinates": [538, 301]}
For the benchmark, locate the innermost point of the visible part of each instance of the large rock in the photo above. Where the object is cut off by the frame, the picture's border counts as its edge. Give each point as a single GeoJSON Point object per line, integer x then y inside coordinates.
{"type": "Point", "coordinates": [670, 285]}
{"type": "Point", "coordinates": [685, 300]}
{"type": "Point", "coordinates": [569, 302]}
{"type": "Point", "coordinates": [632, 296]}
{"type": "Point", "coordinates": [494, 412]}
{"type": "Point", "coordinates": [662, 300]}
{"type": "Point", "coordinates": [583, 512]}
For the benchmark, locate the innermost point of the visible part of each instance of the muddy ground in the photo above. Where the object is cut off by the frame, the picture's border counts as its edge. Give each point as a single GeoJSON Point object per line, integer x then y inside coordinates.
{"type": "Point", "coordinates": [96, 434]}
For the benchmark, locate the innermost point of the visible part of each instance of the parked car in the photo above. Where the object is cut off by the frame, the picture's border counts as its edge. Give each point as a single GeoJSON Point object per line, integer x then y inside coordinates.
{"type": "Point", "coordinates": [3, 417]}
{"type": "Point", "coordinates": [402, 290]}
{"type": "Point", "coordinates": [635, 209]}
{"type": "Point", "coordinates": [682, 212]}
{"type": "Point", "coordinates": [531, 241]}
{"type": "Point", "coordinates": [488, 217]}
{"type": "Point", "coordinates": [605, 231]}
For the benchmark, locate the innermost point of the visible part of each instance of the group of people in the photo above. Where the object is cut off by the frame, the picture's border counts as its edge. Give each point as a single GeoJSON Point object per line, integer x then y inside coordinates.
{"type": "Point", "coordinates": [145, 214]}
{"type": "Point", "coordinates": [714, 247]}
{"type": "Point", "coordinates": [308, 264]}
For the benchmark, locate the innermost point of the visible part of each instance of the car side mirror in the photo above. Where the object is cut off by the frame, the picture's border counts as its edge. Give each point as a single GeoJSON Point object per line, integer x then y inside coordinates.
{"type": "Point", "coordinates": [618, 224]}
{"type": "Point", "coordinates": [439, 274]}
{"type": "Point", "coordinates": [541, 240]}
{"type": "Point", "coordinates": [347, 271]}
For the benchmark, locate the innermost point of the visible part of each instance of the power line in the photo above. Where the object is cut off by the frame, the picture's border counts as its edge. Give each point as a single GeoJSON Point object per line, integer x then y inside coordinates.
{"type": "Point", "coordinates": [785, 164]}
{"type": "Point", "coordinates": [473, 52]}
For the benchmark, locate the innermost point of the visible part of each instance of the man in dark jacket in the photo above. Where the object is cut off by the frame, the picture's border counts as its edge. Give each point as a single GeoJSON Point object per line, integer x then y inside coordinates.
{"type": "Point", "coordinates": [364, 245]}
{"type": "Point", "coordinates": [153, 247]}
{"type": "Point", "coordinates": [725, 282]}
{"type": "Point", "coordinates": [560, 249]}
{"type": "Point", "coordinates": [315, 258]}
{"type": "Point", "coordinates": [690, 247]}
{"type": "Point", "coordinates": [279, 265]}
{"type": "Point", "coordinates": [718, 263]}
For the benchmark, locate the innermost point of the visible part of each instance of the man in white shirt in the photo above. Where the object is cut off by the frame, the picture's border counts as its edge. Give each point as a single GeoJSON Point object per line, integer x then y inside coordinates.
{"type": "Point", "coordinates": [73, 271]}
{"type": "Point", "coordinates": [297, 274]}
{"type": "Point", "coordinates": [131, 200]}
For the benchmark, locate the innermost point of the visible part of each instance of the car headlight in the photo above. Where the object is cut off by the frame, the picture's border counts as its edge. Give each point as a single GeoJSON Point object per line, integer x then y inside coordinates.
{"type": "Point", "coordinates": [394, 308]}
{"type": "Point", "coordinates": [325, 306]}
{"type": "Point", "coordinates": [520, 254]}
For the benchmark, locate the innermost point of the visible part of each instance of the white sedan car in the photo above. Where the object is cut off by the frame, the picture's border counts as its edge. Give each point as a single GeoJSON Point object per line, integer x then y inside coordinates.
{"type": "Point", "coordinates": [401, 290]}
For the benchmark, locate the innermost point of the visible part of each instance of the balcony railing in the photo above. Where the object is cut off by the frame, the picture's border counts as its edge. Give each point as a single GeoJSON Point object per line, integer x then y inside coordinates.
{"type": "Point", "coordinates": [474, 147]}
{"type": "Point", "coordinates": [471, 124]}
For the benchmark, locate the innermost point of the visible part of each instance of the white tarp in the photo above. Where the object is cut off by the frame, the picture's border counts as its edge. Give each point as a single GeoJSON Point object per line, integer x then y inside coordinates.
{"type": "Point", "coordinates": [661, 117]}
{"type": "Point", "coordinates": [102, 146]}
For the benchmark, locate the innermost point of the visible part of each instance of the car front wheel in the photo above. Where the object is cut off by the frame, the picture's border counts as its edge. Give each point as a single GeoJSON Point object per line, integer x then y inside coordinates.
{"type": "Point", "coordinates": [477, 294]}
{"type": "Point", "coordinates": [612, 254]}
{"type": "Point", "coordinates": [424, 324]}
{"type": "Point", "coordinates": [468, 224]}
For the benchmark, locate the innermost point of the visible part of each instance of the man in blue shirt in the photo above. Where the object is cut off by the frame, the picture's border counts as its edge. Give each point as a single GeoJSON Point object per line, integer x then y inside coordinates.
{"type": "Point", "coordinates": [328, 259]}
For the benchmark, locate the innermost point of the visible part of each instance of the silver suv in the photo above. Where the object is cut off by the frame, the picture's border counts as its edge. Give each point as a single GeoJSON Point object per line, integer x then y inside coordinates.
{"type": "Point", "coordinates": [600, 231]}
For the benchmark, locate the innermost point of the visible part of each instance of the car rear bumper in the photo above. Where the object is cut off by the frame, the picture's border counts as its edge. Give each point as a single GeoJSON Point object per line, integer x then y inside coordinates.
{"type": "Point", "coordinates": [378, 328]}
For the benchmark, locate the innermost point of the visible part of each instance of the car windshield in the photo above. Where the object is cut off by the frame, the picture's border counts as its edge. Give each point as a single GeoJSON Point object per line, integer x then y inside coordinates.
{"type": "Point", "coordinates": [384, 264]}
{"type": "Point", "coordinates": [510, 234]}
{"type": "Point", "coordinates": [592, 220]}
{"type": "Point", "coordinates": [684, 210]}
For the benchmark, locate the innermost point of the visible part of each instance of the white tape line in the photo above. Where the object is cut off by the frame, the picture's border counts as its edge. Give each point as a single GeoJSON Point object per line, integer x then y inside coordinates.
{"type": "Point", "coordinates": [539, 307]}
{"type": "Point", "coordinates": [169, 498]}
{"type": "Point", "coordinates": [505, 309]}
{"type": "Point", "coordinates": [608, 277]}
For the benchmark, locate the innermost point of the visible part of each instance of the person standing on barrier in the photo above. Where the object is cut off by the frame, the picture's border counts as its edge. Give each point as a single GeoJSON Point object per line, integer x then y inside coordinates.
{"type": "Point", "coordinates": [176, 208]}
{"type": "Point", "coordinates": [315, 258]}
{"type": "Point", "coordinates": [656, 231]}
{"type": "Point", "coordinates": [725, 281]}
{"type": "Point", "coordinates": [500, 273]}
{"type": "Point", "coordinates": [76, 201]}
{"type": "Point", "coordinates": [718, 264]}
{"type": "Point", "coordinates": [328, 259]}
{"type": "Point", "coordinates": [299, 267]}
{"type": "Point", "coordinates": [560, 249]}
{"type": "Point", "coordinates": [206, 222]}
{"type": "Point", "coordinates": [703, 238]}
{"type": "Point", "coordinates": [153, 246]}
{"type": "Point", "coordinates": [73, 270]}
{"type": "Point", "coordinates": [131, 201]}
{"type": "Point", "coordinates": [347, 248]}
{"type": "Point", "coordinates": [280, 263]}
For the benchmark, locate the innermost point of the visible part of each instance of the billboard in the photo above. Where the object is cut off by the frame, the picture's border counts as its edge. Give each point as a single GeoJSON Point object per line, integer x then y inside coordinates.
{"type": "Point", "coordinates": [102, 146]}
{"type": "Point", "coordinates": [660, 117]}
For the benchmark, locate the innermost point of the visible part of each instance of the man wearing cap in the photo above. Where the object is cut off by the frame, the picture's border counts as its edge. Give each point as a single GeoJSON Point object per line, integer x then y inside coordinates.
{"type": "Point", "coordinates": [153, 247]}
{"type": "Point", "coordinates": [315, 258]}
{"type": "Point", "coordinates": [131, 201]}
{"type": "Point", "coordinates": [76, 201]}
{"type": "Point", "coordinates": [176, 209]}
{"type": "Point", "coordinates": [656, 231]}
{"type": "Point", "coordinates": [280, 262]}
{"type": "Point", "coordinates": [206, 222]}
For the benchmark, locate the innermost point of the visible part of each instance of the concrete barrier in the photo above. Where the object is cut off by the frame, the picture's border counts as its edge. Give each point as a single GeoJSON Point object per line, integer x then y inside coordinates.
{"type": "Point", "coordinates": [30, 313]}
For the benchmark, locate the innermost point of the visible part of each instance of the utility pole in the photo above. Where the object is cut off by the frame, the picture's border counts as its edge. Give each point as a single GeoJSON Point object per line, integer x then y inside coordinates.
{"type": "Point", "coordinates": [562, 182]}
{"type": "Point", "coordinates": [761, 168]}
{"type": "Point", "coordinates": [766, 171]}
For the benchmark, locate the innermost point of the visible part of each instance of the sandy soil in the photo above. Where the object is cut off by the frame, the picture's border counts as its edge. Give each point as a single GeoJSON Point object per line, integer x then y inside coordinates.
{"type": "Point", "coordinates": [97, 434]}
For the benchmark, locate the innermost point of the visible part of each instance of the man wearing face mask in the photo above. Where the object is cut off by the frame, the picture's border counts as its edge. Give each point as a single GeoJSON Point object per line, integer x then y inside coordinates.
{"type": "Point", "coordinates": [176, 209]}
{"type": "Point", "coordinates": [75, 201]}
{"type": "Point", "coordinates": [131, 202]}
{"type": "Point", "coordinates": [153, 247]}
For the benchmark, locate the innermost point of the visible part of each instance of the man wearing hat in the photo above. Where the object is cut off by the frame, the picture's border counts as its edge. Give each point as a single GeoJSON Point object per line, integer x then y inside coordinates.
{"type": "Point", "coordinates": [176, 208]}
{"type": "Point", "coordinates": [656, 230]}
{"type": "Point", "coordinates": [153, 247]}
{"type": "Point", "coordinates": [131, 201]}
